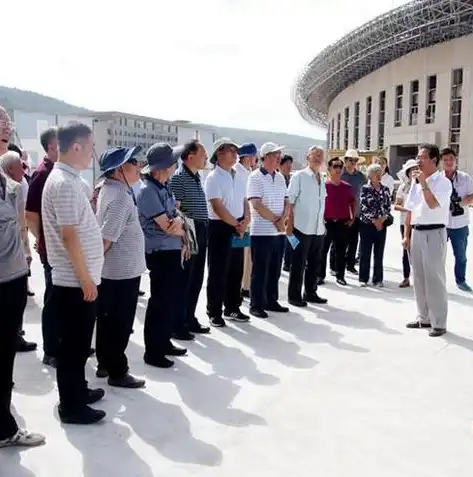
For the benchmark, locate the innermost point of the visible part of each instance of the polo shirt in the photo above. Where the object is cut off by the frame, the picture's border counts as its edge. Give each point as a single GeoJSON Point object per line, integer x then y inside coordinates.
{"type": "Point", "coordinates": [421, 213]}
{"type": "Point", "coordinates": [272, 190]}
{"type": "Point", "coordinates": [155, 199]}
{"type": "Point", "coordinates": [338, 201]}
{"type": "Point", "coordinates": [307, 195]}
{"type": "Point", "coordinates": [356, 180]}
{"type": "Point", "coordinates": [243, 172]}
{"type": "Point", "coordinates": [64, 204]}
{"type": "Point", "coordinates": [35, 193]}
{"type": "Point", "coordinates": [187, 189]}
{"type": "Point", "coordinates": [463, 184]}
{"type": "Point", "coordinates": [12, 258]}
{"type": "Point", "coordinates": [229, 187]}
{"type": "Point", "coordinates": [117, 216]}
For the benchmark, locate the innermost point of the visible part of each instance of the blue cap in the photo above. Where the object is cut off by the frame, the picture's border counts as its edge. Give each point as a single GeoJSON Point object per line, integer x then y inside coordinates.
{"type": "Point", "coordinates": [161, 156]}
{"type": "Point", "coordinates": [114, 158]}
{"type": "Point", "coordinates": [248, 149]}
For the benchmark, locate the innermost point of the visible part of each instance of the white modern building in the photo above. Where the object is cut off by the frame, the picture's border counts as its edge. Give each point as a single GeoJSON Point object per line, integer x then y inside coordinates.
{"type": "Point", "coordinates": [402, 79]}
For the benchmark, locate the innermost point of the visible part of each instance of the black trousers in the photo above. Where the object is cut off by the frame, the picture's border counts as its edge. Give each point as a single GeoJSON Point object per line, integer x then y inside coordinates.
{"type": "Point", "coordinates": [165, 275]}
{"type": "Point", "coordinates": [372, 241]}
{"type": "Point", "coordinates": [267, 254]}
{"type": "Point", "coordinates": [306, 258]}
{"type": "Point", "coordinates": [192, 280]}
{"type": "Point", "coordinates": [352, 247]}
{"type": "Point", "coordinates": [406, 265]}
{"type": "Point", "coordinates": [48, 320]}
{"type": "Point", "coordinates": [116, 309]}
{"type": "Point", "coordinates": [336, 236]}
{"type": "Point", "coordinates": [287, 254]}
{"type": "Point", "coordinates": [225, 270]}
{"type": "Point", "coordinates": [75, 329]}
{"type": "Point", "coordinates": [12, 306]}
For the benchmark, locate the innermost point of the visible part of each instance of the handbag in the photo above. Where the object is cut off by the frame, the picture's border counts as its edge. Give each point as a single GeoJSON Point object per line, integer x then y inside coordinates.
{"type": "Point", "coordinates": [389, 220]}
{"type": "Point", "coordinates": [241, 242]}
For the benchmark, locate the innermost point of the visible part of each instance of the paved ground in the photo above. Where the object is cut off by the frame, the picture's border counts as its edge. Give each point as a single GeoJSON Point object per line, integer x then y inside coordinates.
{"type": "Point", "coordinates": [340, 390]}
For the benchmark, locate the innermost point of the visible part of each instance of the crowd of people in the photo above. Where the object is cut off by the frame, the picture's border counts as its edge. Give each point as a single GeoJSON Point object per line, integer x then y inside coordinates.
{"type": "Point", "coordinates": [249, 219]}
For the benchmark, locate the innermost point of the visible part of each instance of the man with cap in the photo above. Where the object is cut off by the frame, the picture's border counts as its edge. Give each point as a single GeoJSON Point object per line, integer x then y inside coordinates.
{"type": "Point", "coordinates": [248, 156]}
{"type": "Point", "coordinates": [124, 263]}
{"type": "Point", "coordinates": [285, 168]}
{"type": "Point", "coordinates": [164, 241]}
{"type": "Point", "coordinates": [190, 196]}
{"type": "Point", "coordinates": [13, 283]}
{"type": "Point", "coordinates": [229, 219]}
{"type": "Point", "coordinates": [267, 193]}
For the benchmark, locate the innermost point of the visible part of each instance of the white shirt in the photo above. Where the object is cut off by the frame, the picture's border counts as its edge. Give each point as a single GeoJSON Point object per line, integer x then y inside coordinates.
{"type": "Point", "coordinates": [24, 190]}
{"type": "Point", "coordinates": [422, 214]}
{"type": "Point", "coordinates": [230, 188]}
{"type": "Point", "coordinates": [388, 181]}
{"type": "Point", "coordinates": [272, 190]}
{"type": "Point", "coordinates": [402, 194]}
{"type": "Point", "coordinates": [308, 197]}
{"type": "Point", "coordinates": [243, 172]}
{"type": "Point", "coordinates": [463, 184]}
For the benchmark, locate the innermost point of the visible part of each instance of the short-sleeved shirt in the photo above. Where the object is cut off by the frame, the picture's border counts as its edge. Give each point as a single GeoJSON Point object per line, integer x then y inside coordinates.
{"type": "Point", "coordinates": [187, 189]}
{"type": "Point", "coordinates": [66, 204]}
{"type": "Point", "coordinates": [272, 190]}
{"type": "Point", "coordinates": [374, 203]}
{"type": "Point", "coordinates": [401, 195]}
{"type": "Point", "coordinates": [117, 216]}
{"type": "Point", "coordinates": [307, 194]}
{"type": "Point", "coordinates": [339, 199]}
{"type": "Point", "coordinates": [243, 172]}
{"type": "Point", "coordinates": [421, 213]}
{"type": "Point", "coordinates": [388, 181]}
{"type": "Point", "coordinates": [35, 193]}
{"type": "Point", "coordinates": [356, 180]}
{"type": "Point", "coordinates": [229, 187]}
{"type": "Point", "coordinates": [463, 184]}
{"type": "Point", "coordinates": [156, 199]}
{"type": "Point", "coordinates": [12, 258]}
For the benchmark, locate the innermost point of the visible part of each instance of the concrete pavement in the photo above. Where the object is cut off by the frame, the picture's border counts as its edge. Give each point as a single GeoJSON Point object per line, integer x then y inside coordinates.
{"type": "Point", "coordinates": [337, 390]}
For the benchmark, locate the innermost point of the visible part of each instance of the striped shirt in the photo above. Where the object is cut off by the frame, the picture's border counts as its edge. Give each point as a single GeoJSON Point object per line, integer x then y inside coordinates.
{"type": "Point", "coordinates": [187, 189]}
{"type": "Point", "coordinates": [117, 216]}
{"type": "Point", "coordinates": [65, 203]}
{"type": "Point", "coordinates": [272, 190]}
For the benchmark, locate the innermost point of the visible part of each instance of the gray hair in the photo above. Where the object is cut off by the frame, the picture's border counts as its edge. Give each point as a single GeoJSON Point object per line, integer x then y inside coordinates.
{"type": "Point", "coordinates": [374, 169]}
{"type": "Point", "coordinates": [8, 159]}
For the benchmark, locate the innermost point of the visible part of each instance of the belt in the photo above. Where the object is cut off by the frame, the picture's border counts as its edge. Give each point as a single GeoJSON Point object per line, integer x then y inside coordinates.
{"type": "Point", "coordinates": [428, 226]}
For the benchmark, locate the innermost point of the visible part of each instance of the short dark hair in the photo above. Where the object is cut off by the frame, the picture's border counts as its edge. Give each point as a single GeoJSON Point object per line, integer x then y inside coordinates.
{"type": "Point", "coordinates": [434, 152]}
{"type": "Point", "coordinates": [190, 147]}
{"type": "Point", "coordinates": [446, 151]}
{"type": "Point", "coordinates": [334, 159]}
{"type": "Point", "coordinates": [287, 158]}
{"type": "Point", "coordinates": [15, 148]}
{"type": "Point", "coordinates": [69, 134]}
{"type": "Point", "coordinates": [47, 136]}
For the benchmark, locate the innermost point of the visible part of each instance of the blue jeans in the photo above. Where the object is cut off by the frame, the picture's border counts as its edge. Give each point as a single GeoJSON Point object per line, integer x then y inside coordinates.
{"type": "Point", "coordinates": [459, 240]}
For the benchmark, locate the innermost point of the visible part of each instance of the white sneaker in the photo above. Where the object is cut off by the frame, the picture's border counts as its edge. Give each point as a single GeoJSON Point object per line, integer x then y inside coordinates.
{"type": "Point", "coordinates": [363, 284]}
{"type": "Point", "coordinates": [23, 439]}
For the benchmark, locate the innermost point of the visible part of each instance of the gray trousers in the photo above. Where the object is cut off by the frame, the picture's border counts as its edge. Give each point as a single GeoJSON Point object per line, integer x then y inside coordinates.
{"type": "Point", "coordinates": [428, 254]}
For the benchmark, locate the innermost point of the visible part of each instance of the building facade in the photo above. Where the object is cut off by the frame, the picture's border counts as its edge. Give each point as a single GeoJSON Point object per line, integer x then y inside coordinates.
{"type": "Point", "coordinates": [412, 84]}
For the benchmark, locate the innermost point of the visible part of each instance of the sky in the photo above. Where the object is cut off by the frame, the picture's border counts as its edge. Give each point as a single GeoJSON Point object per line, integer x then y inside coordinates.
{"type": "Point", "coordinates": [223, 62]}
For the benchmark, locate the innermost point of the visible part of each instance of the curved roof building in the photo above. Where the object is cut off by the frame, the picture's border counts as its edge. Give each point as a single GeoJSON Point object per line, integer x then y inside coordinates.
{"type": "Point", "coordinates": [403, 78]}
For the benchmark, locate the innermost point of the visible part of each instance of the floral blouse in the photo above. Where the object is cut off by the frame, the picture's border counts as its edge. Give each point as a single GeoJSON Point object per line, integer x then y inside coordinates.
{"type": "Point", "coordinates": [374, 203]}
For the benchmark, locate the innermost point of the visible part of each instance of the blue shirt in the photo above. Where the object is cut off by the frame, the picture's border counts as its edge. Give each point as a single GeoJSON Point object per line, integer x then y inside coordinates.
{"type": "Point", "coordinates": [155, 199]}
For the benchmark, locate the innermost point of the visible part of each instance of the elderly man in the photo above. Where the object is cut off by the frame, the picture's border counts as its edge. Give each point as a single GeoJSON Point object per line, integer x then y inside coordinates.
{"type": "Point", "coordinates": [124, 264]}
{"type": "Point", "coordinates": [10, 164]}
{"type": "Point", "coordinates": [425, 234]}
{"type": "Point", "coordinates": [306, 221]}
{"type": "Point", "coordinates": [13, 277]}
{"type": "Point", "coordinates": [75, 252]}
{"type": "Point", "coordinates": [229, 219]}
{"type": "Point", "coordinates": [267, 193]}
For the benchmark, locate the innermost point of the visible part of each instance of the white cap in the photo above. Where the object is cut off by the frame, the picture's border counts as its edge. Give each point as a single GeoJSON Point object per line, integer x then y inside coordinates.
{"type": "Point", "coordinates": [269, 147]}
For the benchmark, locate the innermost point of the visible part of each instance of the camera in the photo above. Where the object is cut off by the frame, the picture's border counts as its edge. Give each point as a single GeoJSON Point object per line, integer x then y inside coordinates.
{"type": "Point", "coordinates": [455, 208]}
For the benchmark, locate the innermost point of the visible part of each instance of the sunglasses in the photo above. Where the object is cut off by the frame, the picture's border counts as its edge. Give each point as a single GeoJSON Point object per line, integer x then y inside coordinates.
{"type": "Point", "coordinates": [132, 161]}
{"type": "Point", "coordinates": [354, 161]}
{"type": "Point", "coordinates": [337, 166]}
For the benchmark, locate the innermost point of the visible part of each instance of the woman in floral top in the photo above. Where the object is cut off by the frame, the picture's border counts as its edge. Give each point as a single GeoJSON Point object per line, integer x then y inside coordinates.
{"type": "Point", "coordinates": [375, 207]}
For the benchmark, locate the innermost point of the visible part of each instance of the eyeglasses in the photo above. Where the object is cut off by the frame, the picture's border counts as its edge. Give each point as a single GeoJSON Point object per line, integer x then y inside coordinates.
{"type": "Point", "coordinates": [354, 161]}
{"type": "Point", "coordinates": [132, 161]}
{"type": "Point", "coordinates": [337, 166]}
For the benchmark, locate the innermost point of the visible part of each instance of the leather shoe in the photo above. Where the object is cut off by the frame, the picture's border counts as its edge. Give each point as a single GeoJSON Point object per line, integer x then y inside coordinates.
{"type": "Point", "coordinates": [95, 395]}
{"type": "Point", "coordinates": [298, 303]}
{"type": "Point", "coordinates": [127, 381]}
{"type": "Point", "coordinates": [315, 299]}
{"type": "Point", "coordinates": [277, 308]}
{"type": "Point", "coordinates": [176, 351]}
{"type": "Point", "coordinates": [437, 332]}
{"type": "Point", "coordinates": [258, 312]}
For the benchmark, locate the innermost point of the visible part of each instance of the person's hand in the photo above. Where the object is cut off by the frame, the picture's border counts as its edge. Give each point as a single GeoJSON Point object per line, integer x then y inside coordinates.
{"type": "Point", "coordinates": [244, 223]}
{"type": "Point", "coordinates": [280, 224]}
{"type": "Point", "coordinates": [420, 176]}
{"type": "Point", "coordinates": [186, 252]}
{"type": "Point", "coordinates": [89, 288]}
{"type": "Point", "coordinates": [350, 222]}
{"type": "Point", "coordinates": [176, 227]}
{"type": "Point", "coordinates": [289, 229]}
{"type": "Point", "coordinates": [406, 243]}
{"type": "Point", "coordinates": [240, 229]}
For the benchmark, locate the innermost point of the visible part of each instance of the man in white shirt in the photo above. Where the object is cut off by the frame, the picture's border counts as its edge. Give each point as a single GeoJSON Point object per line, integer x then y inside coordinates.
{"type": "Point", "coordinates": [248, 156]}
{"type": "Point", "coordinates": [425, 235]}
{"type": "Point", "coordinates": [229, 218]}
{"type": "Point", "coordinates": [306, 222]}
{"type": "Point", "coordinates": [267, 194]}
{"type": "Point", "coordinates": [459, 221]}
